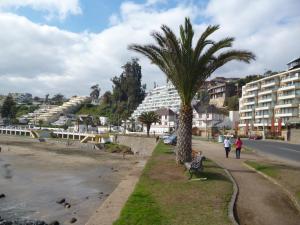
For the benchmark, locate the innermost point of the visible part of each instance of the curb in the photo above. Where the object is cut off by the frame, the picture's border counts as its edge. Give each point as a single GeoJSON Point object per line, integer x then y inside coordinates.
{"type": "Point", "coordinates": [234, 196]}
{"type": "Point", "coordinates": [287, 192]}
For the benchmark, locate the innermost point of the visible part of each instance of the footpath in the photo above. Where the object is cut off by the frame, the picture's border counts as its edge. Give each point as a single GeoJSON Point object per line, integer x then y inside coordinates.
{"type": "Point", "coordinates": [259, 201]}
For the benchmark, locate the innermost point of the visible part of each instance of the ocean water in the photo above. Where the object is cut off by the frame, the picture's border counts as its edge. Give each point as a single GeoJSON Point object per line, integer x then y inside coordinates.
{"type": "Point", "coordinates": [32, 186]}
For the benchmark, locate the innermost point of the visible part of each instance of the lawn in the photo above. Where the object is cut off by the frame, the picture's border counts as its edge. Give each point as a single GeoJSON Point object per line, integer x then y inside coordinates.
{"type": "Point", "coordinates": [268, 169]}
{"type": "Point", "coordinates": [165, 196]}
{"type": "Point", "coordinates": [288, 176]}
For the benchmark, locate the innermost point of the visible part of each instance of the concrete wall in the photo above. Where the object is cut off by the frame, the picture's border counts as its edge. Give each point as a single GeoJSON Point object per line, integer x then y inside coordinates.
{"type": "Point", "coordinates": [139, 145]}
{"type": "Point", "coordinates": [294, 136]}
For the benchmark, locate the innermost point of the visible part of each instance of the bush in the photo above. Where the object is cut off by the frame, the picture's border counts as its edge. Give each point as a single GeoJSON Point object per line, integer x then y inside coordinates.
{"type": "Point", "coordinates": [116, 148]}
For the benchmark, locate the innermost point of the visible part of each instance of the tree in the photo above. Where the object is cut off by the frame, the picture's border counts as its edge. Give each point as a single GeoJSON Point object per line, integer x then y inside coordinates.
{"type": "Point", "coordinates": [232, 103]}
{"type": "Point", "coordinates": [9, 108]}
{"type": "Point", "coordinates": [95, 93]}
{"type": "Point", "coordinates": [187, 66]}
{"type": "Point", "coordinates": [40, 123]}
{"type": "Point", "coordinates": [46, 98]}
{"type": "Point", "coordinates": [148, 118]}
{"type": "Point", "coordinates": [58, 99]}
{"type": "Point", "coordinates": [87, 121]}
{"type": "Point", "coordinates": [128, 92]}
{"type": "Point", "coordinates": [203, 96]}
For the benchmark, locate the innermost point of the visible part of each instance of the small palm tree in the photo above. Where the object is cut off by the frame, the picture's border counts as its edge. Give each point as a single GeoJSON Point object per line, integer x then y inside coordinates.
{"type": "Point", "coordinates": [187, 65]}
{"type": "Point", "coordinates": [40, 123]}
{"type": "Point", "coordinates": [148, 118]}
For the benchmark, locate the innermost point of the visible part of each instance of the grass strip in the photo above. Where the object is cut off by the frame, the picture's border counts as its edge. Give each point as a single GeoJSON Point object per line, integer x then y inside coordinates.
{"type": "Point", "coordinates": [268, 169]}
{"type": "Point", "coordinates": [165, 196]}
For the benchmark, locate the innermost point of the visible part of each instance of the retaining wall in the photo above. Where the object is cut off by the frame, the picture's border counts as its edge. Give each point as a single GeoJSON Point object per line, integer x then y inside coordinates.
{"type": "Point", "coordinates": [139, 145]}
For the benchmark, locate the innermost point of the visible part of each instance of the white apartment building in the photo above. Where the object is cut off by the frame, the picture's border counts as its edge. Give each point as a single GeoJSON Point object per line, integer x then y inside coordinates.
{"type": "Point", "coordinates": [267, 101]}
{"type": "Point", "coordinates": [160, 97]}
{"type": "Point", "coordinates": [211, 116]}
{"type": "Point", "coordinates": [168, 122]}
{"type": "Point", "coordinates": [51, 113]}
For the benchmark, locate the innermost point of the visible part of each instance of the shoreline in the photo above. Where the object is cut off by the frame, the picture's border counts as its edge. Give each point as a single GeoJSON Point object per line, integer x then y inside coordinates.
{"type": "Point", "coordinates": [49, 168]}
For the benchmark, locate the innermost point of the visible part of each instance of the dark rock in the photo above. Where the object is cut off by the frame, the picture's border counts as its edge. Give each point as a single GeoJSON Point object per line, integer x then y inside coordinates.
{"type": "Point", "coordinates": [54, 223]}
{"type": "Point", "coordinates": [2, 195]}
{"type": "Point", "coordinates": [73, 220]}
{"type": "Point", "coordinates": [67, 205]}
{"type": "Point", "coordinates": [61, 201]}
{"type": "Point", "coordinates": [101, 193]}
{"type": "Point", "coordinates": [107, 195]}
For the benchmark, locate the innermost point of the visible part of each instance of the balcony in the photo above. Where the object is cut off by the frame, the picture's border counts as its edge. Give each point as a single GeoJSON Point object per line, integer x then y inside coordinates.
{"type": "Point", "coordinates": [291, 114]}
{"type": "Point", "coordinates": [252, 88]}
{"type": "Point", "coordinates": [287, 96]}
{"type": "Point", "coordinates": [289, 78]}
{"type": "Point", "coordinates": [262, 124]}
{"type": "Point", "coordinates": [268, 84]}
{"type": "Point", "coordinates": [249, 103]}
{"type": "Point", "coordinates": [287, 88]}
{"type": "Point", "coordinates": [287, 105]}
{"type": "Point", "coordinates": [246, 117]}
{"type": "Point", "coordinates": [249, 96]}
{"type": "Point", "coordinates": [262, 108]}
{"type": "Point", "coordinates": [265, 92]}
{"type": "Point", "coordinates": [262, 116]}
{"type": "Point", "coordinates": [266, 100]}
{"type": "Point", "coordinates": [246, 110]}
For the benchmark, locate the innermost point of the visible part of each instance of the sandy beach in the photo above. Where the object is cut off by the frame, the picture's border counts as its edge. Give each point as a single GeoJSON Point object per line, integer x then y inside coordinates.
{"type": "Point", "coordinates": [34, 175]}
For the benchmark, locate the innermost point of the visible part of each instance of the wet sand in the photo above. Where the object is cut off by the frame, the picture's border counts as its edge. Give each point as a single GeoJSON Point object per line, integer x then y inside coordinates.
{"type": "Point", "coordinates": [34, 175]}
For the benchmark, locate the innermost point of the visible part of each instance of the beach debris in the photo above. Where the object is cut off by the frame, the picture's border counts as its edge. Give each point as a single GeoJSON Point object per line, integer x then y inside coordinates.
{"type": "Point", "coordinates": [2, 195]}
{"type": "Point", "coordinates": [73, 220]}
{"type": "Point", "coordinates": [54, 223]}
{"type": "Point", "coordinates": [61, 201]}
{"type": "Point", "coordinates": [67, 205]}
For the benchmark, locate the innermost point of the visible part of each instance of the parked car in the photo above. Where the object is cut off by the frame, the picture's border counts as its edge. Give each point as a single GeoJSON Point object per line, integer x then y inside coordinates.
{"type": "Point", "coordinates": [172, 140]}
{"type": "Point", "coordinates": [255, 137]}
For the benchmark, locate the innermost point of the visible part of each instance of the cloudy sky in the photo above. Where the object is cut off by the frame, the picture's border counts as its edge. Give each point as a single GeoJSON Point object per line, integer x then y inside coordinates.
{"type": "Point", "coordinates": [51, 46]}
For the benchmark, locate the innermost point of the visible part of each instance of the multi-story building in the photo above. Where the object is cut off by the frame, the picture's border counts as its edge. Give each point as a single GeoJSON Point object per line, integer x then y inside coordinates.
{"type": "Point", "coordinates": [168, 121]}
{"type": "Point", "coordinates": [220, 88]}
{"type": "Point", "coordinates": [160, 97]}
{"type": "Point", "coordinates": [271, 101]}
{"type": "Point", "coordinates": [51, 113]}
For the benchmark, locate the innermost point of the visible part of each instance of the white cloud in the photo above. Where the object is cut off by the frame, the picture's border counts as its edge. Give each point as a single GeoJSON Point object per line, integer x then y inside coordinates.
{"type": "Point", "coordinates": [41, 59]}
{"type": "Point", "coordinates": [54, 8]}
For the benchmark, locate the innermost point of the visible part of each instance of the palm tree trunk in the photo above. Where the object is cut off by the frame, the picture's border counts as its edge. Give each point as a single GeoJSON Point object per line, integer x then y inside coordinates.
{"type": "Point", "coordinates": [148, 129]}
{"type": "Point", "coordinates": [184, 135]}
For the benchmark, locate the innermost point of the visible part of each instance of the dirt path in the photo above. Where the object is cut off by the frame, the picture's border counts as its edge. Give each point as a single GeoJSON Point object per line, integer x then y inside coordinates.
{"type": "Point", "coordinates": [259, 201]}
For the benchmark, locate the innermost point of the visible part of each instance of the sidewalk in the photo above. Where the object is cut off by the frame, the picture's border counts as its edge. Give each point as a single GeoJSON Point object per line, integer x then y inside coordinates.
{"type": "Point", "coordinates": [259, 201]}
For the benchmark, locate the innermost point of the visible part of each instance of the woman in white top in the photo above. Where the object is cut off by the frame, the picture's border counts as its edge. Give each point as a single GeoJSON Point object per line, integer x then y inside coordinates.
{"type": "Point", "coordinates": [227, 146]}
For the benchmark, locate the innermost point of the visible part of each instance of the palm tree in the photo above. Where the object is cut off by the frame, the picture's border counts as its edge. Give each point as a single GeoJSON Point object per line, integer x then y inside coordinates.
{"type": "Point", "coordinates": [187, 65]}
{"type": "Point", "coordinates": [148, 118]}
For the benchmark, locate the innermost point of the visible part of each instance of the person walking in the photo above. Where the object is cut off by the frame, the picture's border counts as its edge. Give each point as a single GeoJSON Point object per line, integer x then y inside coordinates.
{"type": "Point", "coordinates": [238, 144]}
{"type": "Point", "coordinates": [227, 146]}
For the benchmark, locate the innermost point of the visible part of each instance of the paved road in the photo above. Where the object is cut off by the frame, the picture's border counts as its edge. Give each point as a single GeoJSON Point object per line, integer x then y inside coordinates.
{"type": "Point", "coordinates": [278, 149]}
{"type": "Point", "coordinates": [259, 201]}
